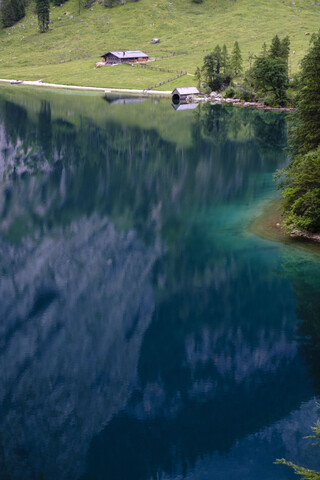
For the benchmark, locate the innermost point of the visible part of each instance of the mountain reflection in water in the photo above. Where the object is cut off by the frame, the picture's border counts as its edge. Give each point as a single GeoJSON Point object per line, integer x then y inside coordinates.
{"type": "Point", "coordinates": [144, 333]}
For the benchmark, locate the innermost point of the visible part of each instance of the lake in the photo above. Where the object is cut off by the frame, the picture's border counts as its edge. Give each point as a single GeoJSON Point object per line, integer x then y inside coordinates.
{"type": "Point", "coordinates": [146, 331]}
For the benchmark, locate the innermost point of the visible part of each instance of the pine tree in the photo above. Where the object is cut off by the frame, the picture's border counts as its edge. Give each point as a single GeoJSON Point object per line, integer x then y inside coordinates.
{"type": "Point", "coordinates": [275, 48]}
{"type": "Point", "coordinates": [197, 74]}
{"type": "Point", "coordinates": [217, 54]}
{"type": "Point", "coordinates": [264, 52]}
{"type": "Point", "coordinates": [305, 473]}
{"type": "Point", "coordinates": [301, 178]}
{"type": "Point", "coordinates": [285, 48]}
{"type": "Point", "coordinates": [211, 69]}
{"type": "Point", "coordinates": [236, 59]}
{"type": "Point", "coordinates": [224, 59]}
{"type": "Point", "coordinates": [306, 135]}
{"type": "Point", "coordinates": [43, 9]}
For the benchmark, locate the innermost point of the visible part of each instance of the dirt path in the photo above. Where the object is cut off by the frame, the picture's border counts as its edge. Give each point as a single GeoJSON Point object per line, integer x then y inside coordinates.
{"type": "Point", "coordinates": [39, 83]}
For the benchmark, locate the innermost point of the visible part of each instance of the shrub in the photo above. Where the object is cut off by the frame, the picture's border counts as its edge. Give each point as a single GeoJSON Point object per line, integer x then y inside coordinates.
{"type": "Point", "coordinates": [270, 100]}
{"type": "Point", "coordinates": [246, 95]}
{"type": "Point", "coordinates": [229, 92]}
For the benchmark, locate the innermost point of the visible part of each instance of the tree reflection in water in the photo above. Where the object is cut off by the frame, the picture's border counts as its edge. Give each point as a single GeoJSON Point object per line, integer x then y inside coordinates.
{"type": "Point", "coordinates": [143, 328]}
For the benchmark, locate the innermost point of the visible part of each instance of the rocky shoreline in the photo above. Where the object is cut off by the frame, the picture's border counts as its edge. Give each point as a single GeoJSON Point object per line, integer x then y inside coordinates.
{"type": "Point", "coordinates": [215, 99]}
{"type": "Point", "coordinates": [314, 237]}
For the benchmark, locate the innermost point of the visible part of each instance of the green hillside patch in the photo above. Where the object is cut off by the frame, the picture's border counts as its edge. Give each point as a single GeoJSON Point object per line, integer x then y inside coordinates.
{"type": "Point", "coordinates": [187, 31]}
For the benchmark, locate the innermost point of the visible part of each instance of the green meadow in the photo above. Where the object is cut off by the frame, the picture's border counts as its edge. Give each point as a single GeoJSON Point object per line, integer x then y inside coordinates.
{"type": "Point", "coordinates": [67, 53]}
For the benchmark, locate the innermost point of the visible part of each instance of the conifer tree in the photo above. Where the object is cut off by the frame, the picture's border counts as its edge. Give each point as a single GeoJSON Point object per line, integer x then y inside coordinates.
{"type": "Point", "coordinates": [224, 59]}
{"type": "Point", "coordinates": [305, 473]}
{"type": "Point", "coordinates": [236, 59]}
{"type": "Point", "coordinates": [43, 9]}
{"type": "Point", "coordinates": [306, 135]}
{"type": "Point", "coordinates": [264, 52]}
{"type": "Point", "coordinates": [301, 178]}
{"type": "Point", "coordinates": [275, 48]}
{"type": "Point", "coordinates": [217, 53]}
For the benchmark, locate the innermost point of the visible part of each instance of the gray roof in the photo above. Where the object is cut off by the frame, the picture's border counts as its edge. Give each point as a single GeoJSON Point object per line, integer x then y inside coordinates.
{"type": "Point", "coordinates": [127, 54]}
{"type": "Point", "coordinates": [185, 91]}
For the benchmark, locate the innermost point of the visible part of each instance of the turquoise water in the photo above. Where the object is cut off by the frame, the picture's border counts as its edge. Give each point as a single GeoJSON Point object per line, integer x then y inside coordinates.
{"type": "Point", "coordinates": [145, 332]}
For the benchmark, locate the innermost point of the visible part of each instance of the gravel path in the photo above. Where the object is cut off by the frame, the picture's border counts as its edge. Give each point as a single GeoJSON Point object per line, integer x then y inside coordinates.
{"type": "Point", "coordinates": [39, 83]}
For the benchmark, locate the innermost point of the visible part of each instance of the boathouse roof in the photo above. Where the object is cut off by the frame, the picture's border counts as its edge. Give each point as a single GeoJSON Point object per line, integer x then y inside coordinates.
{"type": "Point", "coordinates": [181, 91]}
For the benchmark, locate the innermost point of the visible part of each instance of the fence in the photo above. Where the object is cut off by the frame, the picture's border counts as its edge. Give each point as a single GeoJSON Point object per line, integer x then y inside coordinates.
{"type": "Point", "coordinates": [166, 81]}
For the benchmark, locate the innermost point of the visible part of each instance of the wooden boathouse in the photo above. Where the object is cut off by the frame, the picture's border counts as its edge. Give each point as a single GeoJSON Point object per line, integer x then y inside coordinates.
{"type": "Point", "coordinates": [180, 94]}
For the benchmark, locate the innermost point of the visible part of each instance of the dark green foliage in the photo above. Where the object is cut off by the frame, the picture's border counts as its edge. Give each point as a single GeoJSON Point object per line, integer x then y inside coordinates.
{"type": "Point", "coordinates": [197, 74]}
{"type": "Point", "coordinates": [212, 69]}
{"type": "Point", "coordinates": [11, 12]}
{"type": "Point", "coordinates": [302, 177]}
{"type": "Point", "coordinates": [269, 73]}
{"type": "Point", "coordinates": [247, 95]}
{"type": "Point", "coordinates": [275, 48]}
{"type": "Point", "coordinates": [302, 192]}
{"type": "Point", "coordinates": [225, 60]}
{"type": "Point", "coordinates": [305, 473]}
{"type": "Point", "coordinates": [57, 3]}
{"type": "Point", "coordinates": [229, 92]}
{"type": "Point", "coordinates": [305, 134]}
{"type": "Point", "coordinates": [43, 9]}
{"type": "Point", "coordinates": [236, 59]}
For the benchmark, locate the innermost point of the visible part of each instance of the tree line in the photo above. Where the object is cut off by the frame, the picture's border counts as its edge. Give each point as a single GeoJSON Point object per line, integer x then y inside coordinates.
{"type": "Point", "coordinates": [301, 179]}
{"type": "Point", "coordinates": [266, 79]}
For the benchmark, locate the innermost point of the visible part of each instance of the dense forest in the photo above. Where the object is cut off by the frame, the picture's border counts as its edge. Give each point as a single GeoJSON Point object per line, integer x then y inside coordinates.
{"type": "Point", "coordinates": [301, 180]}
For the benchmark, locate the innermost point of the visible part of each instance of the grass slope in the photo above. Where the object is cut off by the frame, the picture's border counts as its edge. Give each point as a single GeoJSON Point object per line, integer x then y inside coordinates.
{"type": "Point", "coordinates": [68, 52]}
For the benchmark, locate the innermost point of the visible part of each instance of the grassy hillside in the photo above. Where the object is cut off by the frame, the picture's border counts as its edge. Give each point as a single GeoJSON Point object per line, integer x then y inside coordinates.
{"type": "Point", "coordinates": [68, 52]}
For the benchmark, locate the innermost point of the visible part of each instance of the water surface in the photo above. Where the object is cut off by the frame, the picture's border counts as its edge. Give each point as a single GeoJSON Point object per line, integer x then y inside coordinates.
{"type": "Point", "coordinates": [145, 332]}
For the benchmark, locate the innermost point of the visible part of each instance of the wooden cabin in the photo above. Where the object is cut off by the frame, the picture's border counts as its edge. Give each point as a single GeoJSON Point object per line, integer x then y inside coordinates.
{"type": "Point", "coordinates": [126, 56]}
{"type": "Point", "coordinates": [180, 94]}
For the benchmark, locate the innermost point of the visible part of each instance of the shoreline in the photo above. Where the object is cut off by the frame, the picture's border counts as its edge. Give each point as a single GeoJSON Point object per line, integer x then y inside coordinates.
{"type": "Point", "coordinates": [214, 100]}
{"type": "Point", "coordinates": [236, 102]}
{"type": "Point", "coordinates": [269, 225]}
{"type": "Point", "coordinates": [39, 83]}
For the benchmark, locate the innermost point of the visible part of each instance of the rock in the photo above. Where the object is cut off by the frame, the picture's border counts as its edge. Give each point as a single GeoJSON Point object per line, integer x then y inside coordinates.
{"type": "Point", "coordinates": [59, 18]}
{"type": "Point", "coordinates": [307, 33]}
{"type": "Point", "coordinates": [203, 84]}
{"type": "Point", "coordinates": [155, 40]}
{"type": "Point", "coordinates": [213, 94]}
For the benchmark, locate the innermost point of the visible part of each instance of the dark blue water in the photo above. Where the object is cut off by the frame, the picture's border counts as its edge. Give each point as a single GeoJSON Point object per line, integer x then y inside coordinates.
{"type": "Point", "coordinates": [145, 332]}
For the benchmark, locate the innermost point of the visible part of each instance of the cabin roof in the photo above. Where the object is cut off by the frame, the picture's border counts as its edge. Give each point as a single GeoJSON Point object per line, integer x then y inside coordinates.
{"type": "Point", "coordinates": [185, 91]}
{"type": "Point", "coordinates": [127, 54]}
